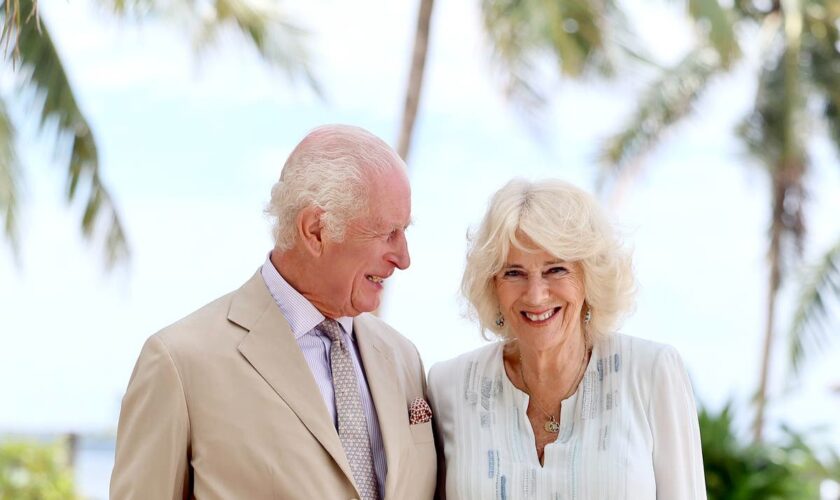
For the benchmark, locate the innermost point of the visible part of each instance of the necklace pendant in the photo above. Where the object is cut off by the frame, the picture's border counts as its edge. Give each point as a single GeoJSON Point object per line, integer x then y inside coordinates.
{"type": "Point", "coordinates": [552, 426]}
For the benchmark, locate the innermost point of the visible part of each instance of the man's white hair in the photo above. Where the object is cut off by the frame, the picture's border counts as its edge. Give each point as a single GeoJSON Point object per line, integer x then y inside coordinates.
{"type": "Point", "coordinates": [329, 169]}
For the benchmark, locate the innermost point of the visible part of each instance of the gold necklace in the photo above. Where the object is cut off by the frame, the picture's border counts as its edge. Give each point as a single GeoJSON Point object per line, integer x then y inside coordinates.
{"type": "Point", "coordinates": [552, 425]}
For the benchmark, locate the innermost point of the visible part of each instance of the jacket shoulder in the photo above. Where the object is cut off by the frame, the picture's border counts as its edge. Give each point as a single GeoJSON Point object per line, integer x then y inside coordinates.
{"type": "Point", "coordinates": [388, 334]}
{"type": "Point", "coordinates": [198, 325]}
{"type": "Point", "coordinates": [221, 321]}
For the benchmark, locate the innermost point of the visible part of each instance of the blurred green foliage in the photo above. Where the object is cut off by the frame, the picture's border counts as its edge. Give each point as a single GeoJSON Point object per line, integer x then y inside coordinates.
{"type": "Point", "coordinates": [35, 471]}
{"type": "Point", "coordinates": [789, 469]}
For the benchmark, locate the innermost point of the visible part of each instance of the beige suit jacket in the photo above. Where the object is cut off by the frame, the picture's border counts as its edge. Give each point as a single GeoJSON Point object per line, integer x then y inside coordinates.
{"type": "Point", "coordinates": [222, 405]}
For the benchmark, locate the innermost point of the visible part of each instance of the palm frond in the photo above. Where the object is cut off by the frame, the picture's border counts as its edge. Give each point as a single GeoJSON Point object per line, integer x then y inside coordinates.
{"type": "Point", "coordinates": [667, 101]}
{"type": "Point", "coordinates": [719, 28]}
{"type": "Point", "coordinates": [820, 41]}
{"type": "Point", "coordinates": [813, 325]}
{"type": "Point", "coordinates": [523, 34]}
{"type": "Point", "coordinates": [10, 13]}
{"type": "Point", "coordinates": [794, 81]}
{"type": "Point", "coordinates": [512, 36]}
{"type": "Point", "coordinates": [278, 40]}
{"type": "Point", "coordinates": [831, 113]}
{"type": "Point", "coordinates": [51, 96]}
{"type": "Point", "coordinates": [9, 180]}
{"type": "Point", "coordinates": [270, 30]}
{"type": "Point", "coordinates": [749, 10]}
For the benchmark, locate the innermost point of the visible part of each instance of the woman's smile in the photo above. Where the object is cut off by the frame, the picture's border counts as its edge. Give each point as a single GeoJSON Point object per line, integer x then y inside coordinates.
{"type": "Point", "coordinates": [540, 319]}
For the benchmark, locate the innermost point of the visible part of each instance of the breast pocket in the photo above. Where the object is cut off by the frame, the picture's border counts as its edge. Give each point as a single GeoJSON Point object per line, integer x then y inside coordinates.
{"type": "Point", "coordinates": [422, 433]}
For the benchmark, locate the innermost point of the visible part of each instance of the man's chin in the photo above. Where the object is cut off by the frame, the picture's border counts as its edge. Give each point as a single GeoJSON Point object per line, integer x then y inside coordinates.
{"type": "Point", "coordinates": [367, 306]}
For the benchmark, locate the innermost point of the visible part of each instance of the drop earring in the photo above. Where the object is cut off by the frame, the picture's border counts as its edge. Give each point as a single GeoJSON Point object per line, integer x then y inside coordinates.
{"type": "Point", "coordinates": [588, 316]}
{"type": "Point", "coordinates": [500, 320]}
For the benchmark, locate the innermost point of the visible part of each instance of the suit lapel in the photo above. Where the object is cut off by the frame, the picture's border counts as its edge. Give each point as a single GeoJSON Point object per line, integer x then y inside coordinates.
{"type": "Point", "coordinates": [271, 349]}
{"type": "Point", "coordinates": [387, 394]}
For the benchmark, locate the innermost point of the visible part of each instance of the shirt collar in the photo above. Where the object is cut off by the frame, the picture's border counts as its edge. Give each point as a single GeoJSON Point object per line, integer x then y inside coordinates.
{"type": "Point", "coordinates": [302, 316]}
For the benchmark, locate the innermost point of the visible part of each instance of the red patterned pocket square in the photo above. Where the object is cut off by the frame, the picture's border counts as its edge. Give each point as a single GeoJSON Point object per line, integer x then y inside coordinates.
{"type": "Point", "coordinates": [419, 412]}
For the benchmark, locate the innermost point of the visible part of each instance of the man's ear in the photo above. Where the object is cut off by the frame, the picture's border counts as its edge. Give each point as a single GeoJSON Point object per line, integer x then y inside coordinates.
{"type": "Point", "coordinates": [310, 230]}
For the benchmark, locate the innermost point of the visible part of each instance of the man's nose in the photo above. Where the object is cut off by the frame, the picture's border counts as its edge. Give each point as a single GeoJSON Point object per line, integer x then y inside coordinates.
{"type": "Point", "coordinates": [399, 256]}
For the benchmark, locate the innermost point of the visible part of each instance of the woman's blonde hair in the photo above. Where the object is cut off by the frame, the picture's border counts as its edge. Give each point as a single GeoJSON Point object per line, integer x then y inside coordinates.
{"type": "Point", "coordinates": [566, 222]}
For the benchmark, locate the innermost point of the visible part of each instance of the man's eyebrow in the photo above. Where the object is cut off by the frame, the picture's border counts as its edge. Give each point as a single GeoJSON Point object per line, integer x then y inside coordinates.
{"type": "Point", "coordinates": [387, 228]}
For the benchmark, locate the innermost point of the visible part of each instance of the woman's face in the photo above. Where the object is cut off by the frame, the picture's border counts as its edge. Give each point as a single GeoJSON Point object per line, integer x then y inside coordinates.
{"type": "Point", "coordinates": [541, 297]}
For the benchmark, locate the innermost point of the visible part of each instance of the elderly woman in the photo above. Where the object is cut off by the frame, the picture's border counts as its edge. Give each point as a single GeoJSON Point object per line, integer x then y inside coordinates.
{"type": "Point", "coordinates": [562, 407]}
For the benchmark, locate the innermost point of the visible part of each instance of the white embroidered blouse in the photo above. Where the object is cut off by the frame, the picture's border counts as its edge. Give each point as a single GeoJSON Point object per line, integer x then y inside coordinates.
{"type": "Point", "coordinates": [629, 432]}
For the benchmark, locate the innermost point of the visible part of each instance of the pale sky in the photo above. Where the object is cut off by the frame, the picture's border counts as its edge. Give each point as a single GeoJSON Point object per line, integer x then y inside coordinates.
{"type": "Point", "coordinates": [190, 150]}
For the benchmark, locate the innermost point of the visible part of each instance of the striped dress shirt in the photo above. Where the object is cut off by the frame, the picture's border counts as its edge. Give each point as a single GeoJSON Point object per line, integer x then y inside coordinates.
{"type": "Point", "coordinates": [303, 317]}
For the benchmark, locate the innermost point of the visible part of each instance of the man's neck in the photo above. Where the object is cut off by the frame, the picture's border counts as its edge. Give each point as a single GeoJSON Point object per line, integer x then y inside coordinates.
{"type": "Point", "coordinates": [299, 272]}
{"type": "Point", "coordinates": [291, 267]}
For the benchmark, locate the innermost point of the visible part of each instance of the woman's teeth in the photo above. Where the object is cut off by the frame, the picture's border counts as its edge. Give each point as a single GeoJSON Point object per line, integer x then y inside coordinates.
{"type": "Point", "coordinates": [540, 317]}
{"type": "Point", "coordinates": [375, 279]}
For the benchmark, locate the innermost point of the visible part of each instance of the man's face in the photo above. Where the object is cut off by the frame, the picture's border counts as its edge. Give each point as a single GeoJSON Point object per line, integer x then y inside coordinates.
{"type": "Point", "coordinates": [374, 244]}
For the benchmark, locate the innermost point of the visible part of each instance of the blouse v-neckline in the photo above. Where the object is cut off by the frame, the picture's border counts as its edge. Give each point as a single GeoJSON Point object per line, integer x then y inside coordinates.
{"type": "Point", "coordinates": [567, 417]}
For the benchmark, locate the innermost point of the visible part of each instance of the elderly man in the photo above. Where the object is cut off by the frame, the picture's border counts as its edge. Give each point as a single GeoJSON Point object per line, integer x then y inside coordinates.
{"type": "Point", "coordinates": [286, 388]}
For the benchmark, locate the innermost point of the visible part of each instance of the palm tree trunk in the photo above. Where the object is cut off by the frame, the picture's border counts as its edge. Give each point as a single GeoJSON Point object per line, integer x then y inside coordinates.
{"type": "Point", "coordinates": [415, 77]}
{"type": "Point", "coordinates": [786, 181]}
{"type": "Point", "coordinates": [415, 85]}
{"type": "Point", "coordinates": [776, 228]}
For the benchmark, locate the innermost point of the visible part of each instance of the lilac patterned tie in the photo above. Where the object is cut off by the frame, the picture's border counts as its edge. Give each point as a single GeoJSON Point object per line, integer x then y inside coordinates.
{"type": "Point", "coordinates": [352, 427]}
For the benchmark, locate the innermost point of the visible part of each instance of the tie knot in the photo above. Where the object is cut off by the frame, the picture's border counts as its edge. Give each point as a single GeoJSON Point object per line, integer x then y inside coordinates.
{"type": "Point", "coordinates": [332, 329]}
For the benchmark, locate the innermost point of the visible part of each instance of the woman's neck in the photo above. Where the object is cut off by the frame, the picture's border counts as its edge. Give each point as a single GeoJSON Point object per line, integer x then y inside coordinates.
{"type": "Point", "coordinates": [557, 365]}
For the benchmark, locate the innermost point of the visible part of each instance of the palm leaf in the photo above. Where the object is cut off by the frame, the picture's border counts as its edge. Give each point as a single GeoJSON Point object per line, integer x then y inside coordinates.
{"type": "Point", "coordinates": [813, 323]}
{"type": "Point", "coordinates": [831, 113]}
{"type": "Point", "coordinates": [718, 24]}
{"type": "Point", "coordinates": [265, 26]}
{"type": "Point", "coordinates": [51, 97]}
{"type": "Point", "coordinates": [512, 35]}
{"type": "Point", "coordinates": [9, 179]}
{"type": "Point", "coordinates": [665, 103]}
{"type": "Point", "coordinates": [10, 14]}
{"type": "Point", "coordinates": [820, 43]}
{"type": "Point", "coordinates": [523, 34]}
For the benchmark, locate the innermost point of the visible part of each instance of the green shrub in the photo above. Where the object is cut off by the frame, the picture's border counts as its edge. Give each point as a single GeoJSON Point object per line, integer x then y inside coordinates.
{"type": "Point", "coordinates": [787, 470]}
{"type": "Point", "coordinates": [34, 471]}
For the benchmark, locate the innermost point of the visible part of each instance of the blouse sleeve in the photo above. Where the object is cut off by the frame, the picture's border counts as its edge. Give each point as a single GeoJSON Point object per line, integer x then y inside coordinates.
{"type": "Point", "coordinates": [677, 456]}
{"type": "Point", "coordinates": [436, 399]}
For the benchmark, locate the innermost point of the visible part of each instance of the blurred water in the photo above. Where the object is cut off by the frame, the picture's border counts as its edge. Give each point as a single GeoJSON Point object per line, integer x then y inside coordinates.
{"type": "Point", "coordinates": [94, 461]}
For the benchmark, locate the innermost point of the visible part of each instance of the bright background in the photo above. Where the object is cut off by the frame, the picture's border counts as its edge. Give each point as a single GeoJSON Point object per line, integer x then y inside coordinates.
{"type": "Point", "coordinates": [190, 150]}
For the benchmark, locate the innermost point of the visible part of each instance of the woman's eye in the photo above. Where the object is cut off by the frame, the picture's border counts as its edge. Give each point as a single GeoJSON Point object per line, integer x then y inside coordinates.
{"type": "Point", "coordinates": [557, 270]}
{"type": "Point", "coordinates": [512, 273]}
